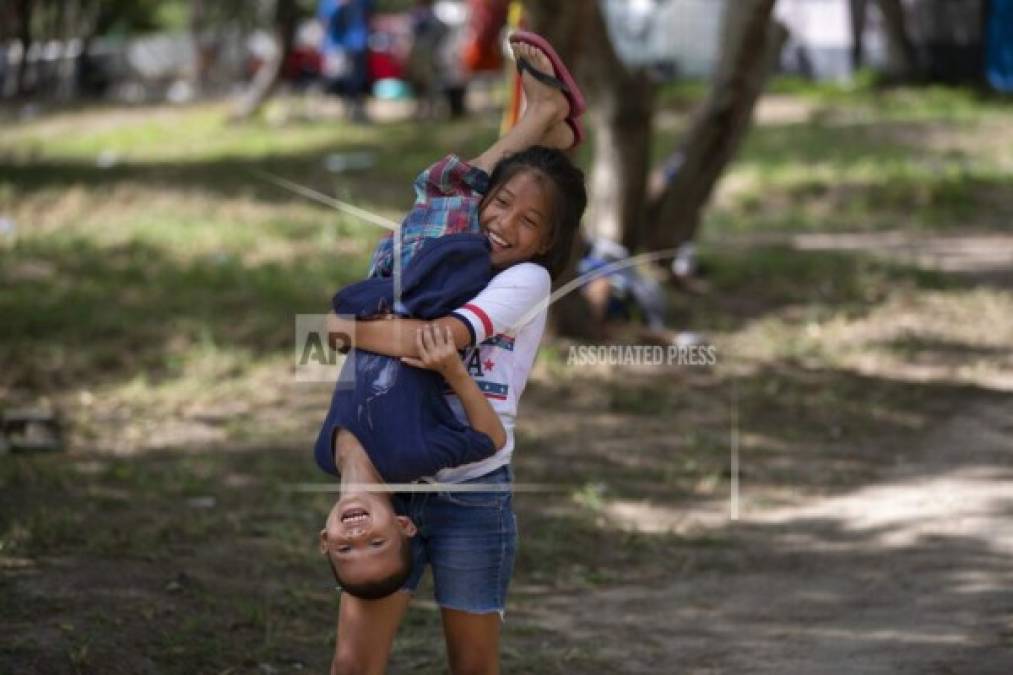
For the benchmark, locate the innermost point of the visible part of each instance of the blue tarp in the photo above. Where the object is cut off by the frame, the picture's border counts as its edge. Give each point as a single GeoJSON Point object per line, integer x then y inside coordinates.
{"type": "Point", "coordinates": [999, 52]}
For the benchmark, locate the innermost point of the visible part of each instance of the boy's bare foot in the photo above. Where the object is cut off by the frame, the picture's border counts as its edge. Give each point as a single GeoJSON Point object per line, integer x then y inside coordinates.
{"type": "Point", "coordinates": [541, 99]}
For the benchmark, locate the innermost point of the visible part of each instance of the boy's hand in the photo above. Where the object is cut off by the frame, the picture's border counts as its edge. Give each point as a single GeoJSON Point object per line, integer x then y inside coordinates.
{"type": "Point", "coordinates": [436, 352]}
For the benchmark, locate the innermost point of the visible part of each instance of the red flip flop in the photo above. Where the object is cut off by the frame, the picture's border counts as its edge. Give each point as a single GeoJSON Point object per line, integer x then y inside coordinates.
{"type": "Point", "coordinates": [577, 129]}
{"type": "Point", "coordinates": [563, 80]}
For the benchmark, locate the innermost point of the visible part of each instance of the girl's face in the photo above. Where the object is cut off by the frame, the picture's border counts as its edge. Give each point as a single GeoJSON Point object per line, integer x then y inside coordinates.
{"type": "Point", "coordinates": [517, 219]}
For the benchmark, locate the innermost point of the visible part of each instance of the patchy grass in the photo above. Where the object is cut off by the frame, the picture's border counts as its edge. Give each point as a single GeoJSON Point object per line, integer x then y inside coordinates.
{"type": "Point", "coordinates": [150, 304]}
{"type": "Point", "coordinates": [830, 158]}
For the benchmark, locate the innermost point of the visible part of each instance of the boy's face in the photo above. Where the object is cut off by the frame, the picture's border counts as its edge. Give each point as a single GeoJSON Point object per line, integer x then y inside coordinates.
{"type": "Point", "coordinates": [517, 219]}
{"type": "Point", "coordinates": [363, 537]}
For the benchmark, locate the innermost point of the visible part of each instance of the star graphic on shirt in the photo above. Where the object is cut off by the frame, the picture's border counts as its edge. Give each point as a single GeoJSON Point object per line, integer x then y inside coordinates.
{"type": "Point", "coordinates": [488, 363]}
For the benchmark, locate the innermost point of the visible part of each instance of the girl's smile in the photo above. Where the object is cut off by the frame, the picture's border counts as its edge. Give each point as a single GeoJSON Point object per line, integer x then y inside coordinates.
{"type": "Point", "coordinates": [517, 219]}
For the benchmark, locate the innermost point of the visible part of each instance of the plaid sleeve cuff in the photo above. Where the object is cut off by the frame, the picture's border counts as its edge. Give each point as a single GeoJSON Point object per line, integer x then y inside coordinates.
{"type": "Point", "coordinates": [453, 176]}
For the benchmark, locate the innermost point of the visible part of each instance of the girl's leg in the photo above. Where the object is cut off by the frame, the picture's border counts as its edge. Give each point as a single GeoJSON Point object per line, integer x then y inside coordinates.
{"type": "Point", "coordinates": [472, 546]}
{"type": "Point", "coordinates": [366, 630]}
{"type": "Point", "coordinates": [542, 119]}
{"type": "Point", "coordinates": [472, 642]}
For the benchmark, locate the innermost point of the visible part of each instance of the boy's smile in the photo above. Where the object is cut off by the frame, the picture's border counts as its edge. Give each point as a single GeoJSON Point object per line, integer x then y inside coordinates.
{"type": "Point", "coordinates": [363, 536]}
{"type": "Point", "coordinates": [360, 519]}
{"type": "Point", "coordinates": [354, 515]}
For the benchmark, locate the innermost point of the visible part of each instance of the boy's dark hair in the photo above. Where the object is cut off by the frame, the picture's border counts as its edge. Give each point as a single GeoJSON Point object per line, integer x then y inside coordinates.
{"type": "Point", "coordinates": [569, 200]}
{"type": "Point", "coordinates": [379, 588]}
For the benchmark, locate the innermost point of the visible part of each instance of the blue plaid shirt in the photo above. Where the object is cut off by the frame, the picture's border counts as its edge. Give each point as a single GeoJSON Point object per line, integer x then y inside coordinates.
{"type": "Point", "coordinates": [447, 197]}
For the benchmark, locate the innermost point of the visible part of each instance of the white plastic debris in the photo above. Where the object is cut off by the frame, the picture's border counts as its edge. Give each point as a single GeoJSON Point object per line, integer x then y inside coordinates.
{"type": "Point", "coordinates": [339, 162]}
{"type": "Point", "coordinates": [107, 159]}
{"type": "Point", "coordinates": [7, 227]}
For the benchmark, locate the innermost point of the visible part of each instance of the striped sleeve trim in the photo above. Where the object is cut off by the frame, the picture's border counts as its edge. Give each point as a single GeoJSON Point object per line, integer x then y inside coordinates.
{"type": "Point", "coordinates": [479, 313]}
{"type": "Point", "coordinates": [471, 329]}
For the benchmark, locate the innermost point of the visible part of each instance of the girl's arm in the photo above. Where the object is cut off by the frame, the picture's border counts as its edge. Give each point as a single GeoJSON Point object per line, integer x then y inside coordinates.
{"type": "Point", "coordinates": [437, 352]}
{"type": "Point", "coordinates": [506, 303]}
{"type": "Point", "coordinates": [395, 336]}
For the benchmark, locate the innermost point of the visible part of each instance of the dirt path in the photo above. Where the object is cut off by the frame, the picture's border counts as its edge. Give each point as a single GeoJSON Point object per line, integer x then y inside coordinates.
{"type": "Point", "coordinates": [912, 573]}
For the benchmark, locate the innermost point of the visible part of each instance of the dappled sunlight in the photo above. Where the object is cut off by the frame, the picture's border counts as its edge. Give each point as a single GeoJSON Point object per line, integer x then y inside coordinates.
{"type": "Point", "coordinates": [898, 514]}
{"type": "Point", "coordinates": [961, 335]}
{"type": "Point", "coordinates": [966, 253]}
{"type": "Point", "coordinates": [189, 223]}
{"type": "Point", "coordinates": [148, 282]}
{"type": "Point", "coordinates": [644, 517]}
{"type": "Point", "coordinates": [188, 134]}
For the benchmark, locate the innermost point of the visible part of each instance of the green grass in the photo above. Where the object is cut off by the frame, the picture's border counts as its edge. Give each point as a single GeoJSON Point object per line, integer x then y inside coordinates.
{"type": "Point", "coordinates": [857, 157]}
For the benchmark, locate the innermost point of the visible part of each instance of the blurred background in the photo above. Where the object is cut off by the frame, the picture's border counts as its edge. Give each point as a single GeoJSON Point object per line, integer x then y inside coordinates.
{"type": "Point", "coordinates": [829, 182]}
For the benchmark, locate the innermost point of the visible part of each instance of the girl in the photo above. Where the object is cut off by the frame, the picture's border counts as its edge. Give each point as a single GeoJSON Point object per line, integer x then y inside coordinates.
{"type": "Point", "coordinates": [527, 198]}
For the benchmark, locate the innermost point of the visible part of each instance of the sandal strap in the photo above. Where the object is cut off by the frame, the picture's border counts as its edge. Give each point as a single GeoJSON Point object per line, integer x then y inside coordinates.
{"type": "Point", "coordinates": [550, 80]}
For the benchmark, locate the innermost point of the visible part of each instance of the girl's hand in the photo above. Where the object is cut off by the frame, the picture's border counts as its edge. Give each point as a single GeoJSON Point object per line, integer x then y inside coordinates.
{"type": "Point", "coordinates": [436, 352]}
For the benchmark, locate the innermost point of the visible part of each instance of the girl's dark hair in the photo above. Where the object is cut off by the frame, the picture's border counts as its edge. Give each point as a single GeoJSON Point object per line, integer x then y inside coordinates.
{"type": "Point", "coordinates": [569, 200]}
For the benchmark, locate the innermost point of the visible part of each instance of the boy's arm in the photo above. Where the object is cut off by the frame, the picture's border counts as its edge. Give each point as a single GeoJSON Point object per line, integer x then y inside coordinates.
{"type": "Point", "coordinates": [437, 352]}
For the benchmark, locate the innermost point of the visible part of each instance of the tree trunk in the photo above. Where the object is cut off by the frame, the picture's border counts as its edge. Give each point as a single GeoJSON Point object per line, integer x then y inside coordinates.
{"type": "Point", "coordinates": [564, 24]}
{"type": "Point", "coordinates": [269, 74]}
{"type": "Point", "coordinates": [561, 22]}
{"type": "Point", "coordinates": [624, 108]}
{"type": "Point", "coordinates": [858, 12]}
{"type": "Point", "coordinates": [902, 61]}
{"type": "Point", "coordinates": [70, 30]}
{"type": "Point", "coordinates": [85, 78]}
{"type": "Point", "coordinates": [751, 44]}
{"type": "Point", "coordinates": [198, 20]}
{"type": "Point", "coordinates": [25, 8]}
{"type": "Point", "coordinates": [622, 105]}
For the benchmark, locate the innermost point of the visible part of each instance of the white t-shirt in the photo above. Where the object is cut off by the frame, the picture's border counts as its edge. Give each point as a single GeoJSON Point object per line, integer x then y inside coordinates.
{"type": "Point", "coordinates": [506, 321]}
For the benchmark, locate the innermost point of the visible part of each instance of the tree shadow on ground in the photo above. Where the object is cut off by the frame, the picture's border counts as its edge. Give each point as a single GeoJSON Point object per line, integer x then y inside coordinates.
{"type": "Point", "coordinates": [801, 430]}
{"type": "Point", "coordinates": [748, 284]}
{"type": "Point", "coordinates": [806, 596]}
{"type": "Point", "coordinates": [202, 560]}
{"type": "Point", "coordinates": [90, 313]}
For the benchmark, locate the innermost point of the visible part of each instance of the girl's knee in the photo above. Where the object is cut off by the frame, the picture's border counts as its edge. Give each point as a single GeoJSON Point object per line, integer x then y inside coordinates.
{"type": "Point", "coordinates": [469, 665]}
{"type": "Point", "coordinates": [347, 662]}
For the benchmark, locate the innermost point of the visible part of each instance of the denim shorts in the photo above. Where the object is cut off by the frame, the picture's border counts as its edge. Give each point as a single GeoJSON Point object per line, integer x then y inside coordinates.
{"type": "Point", "coordinates": [469, 539]}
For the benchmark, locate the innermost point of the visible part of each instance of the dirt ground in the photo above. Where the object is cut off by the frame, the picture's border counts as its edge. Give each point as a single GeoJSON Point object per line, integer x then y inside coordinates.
{"type": "Point", "coordinates": [864, 378]}
{"type": "Point", "coordinates": [907, 573]}
{"type": "Point", "coordinates": [906, 569]}
{"type": "Point", "coordinates": [873, 533]}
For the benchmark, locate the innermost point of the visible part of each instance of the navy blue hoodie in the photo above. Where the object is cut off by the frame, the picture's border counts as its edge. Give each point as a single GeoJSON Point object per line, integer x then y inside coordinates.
{"type": "Point", "coordinates": [398, 412]}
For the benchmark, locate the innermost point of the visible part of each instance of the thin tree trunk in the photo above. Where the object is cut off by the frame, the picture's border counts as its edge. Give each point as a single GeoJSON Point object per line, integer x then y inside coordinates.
{"type": "Point", "coordinates": [204, 46]}
{"type": "Point", "coordinates": [902, 59]}
{"type": "Point", "coordinates": [198, 16]}
{"type": "Point", "coordinates": [269, 74]}
{"type": "Point", "coordinates": [25, 8]}
{"type": "Point", "coordinates": [751, 46]}
{"type": "Point", "coordinates": [87, 29]}
{"type": "Point", "coordinates": [69, 31]}
{"type": "Point", "coordinates": [858, 13]}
